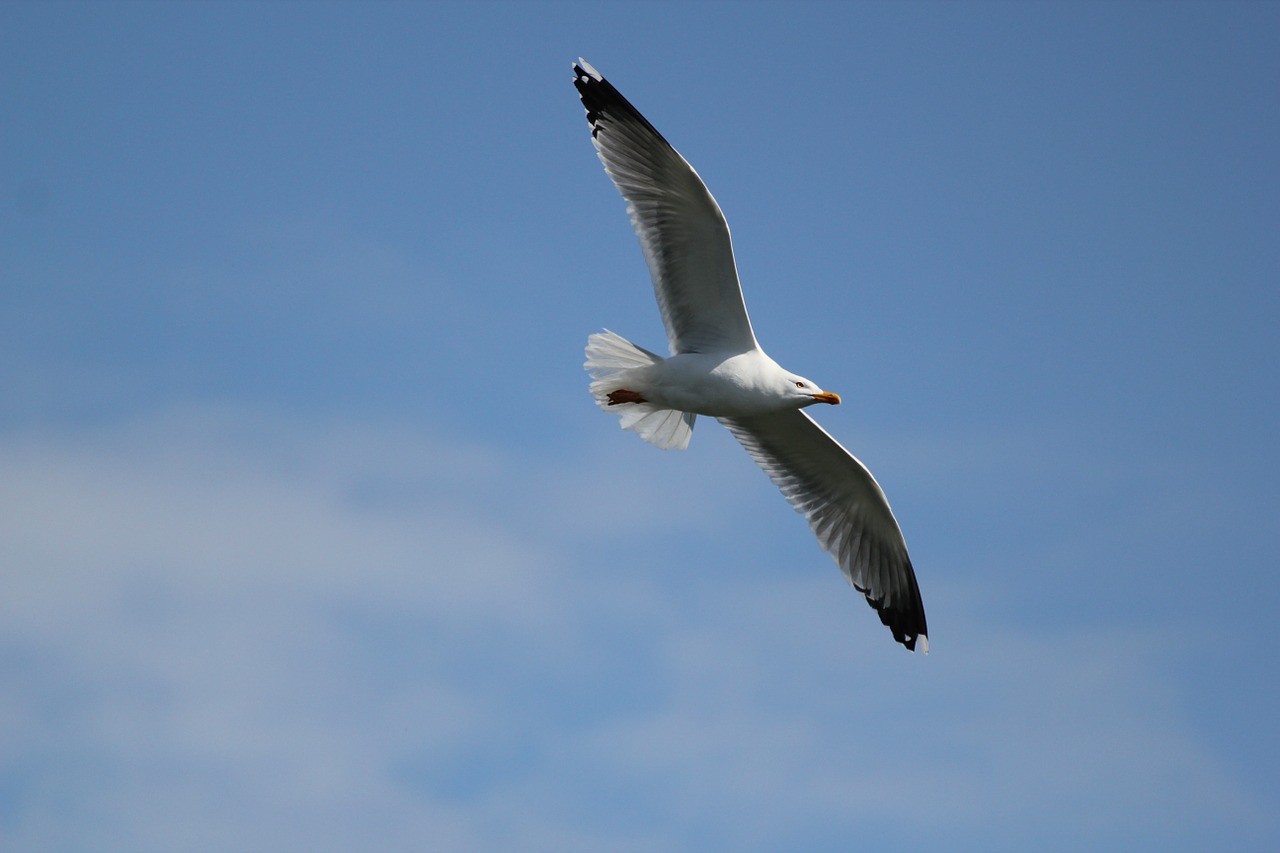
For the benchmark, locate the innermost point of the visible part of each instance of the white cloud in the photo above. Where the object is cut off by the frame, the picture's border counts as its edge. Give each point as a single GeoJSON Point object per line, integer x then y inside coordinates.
{"type": "Point", "coordinates": [996, 741]}
{"type": "Point", "coordinates": [225, 629]}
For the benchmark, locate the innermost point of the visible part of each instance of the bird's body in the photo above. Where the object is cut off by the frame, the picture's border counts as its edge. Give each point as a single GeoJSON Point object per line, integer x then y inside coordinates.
{"type": "Point", "coordinates": [715, 384]}
{"type": "Point", "coordinates": [717, 368]}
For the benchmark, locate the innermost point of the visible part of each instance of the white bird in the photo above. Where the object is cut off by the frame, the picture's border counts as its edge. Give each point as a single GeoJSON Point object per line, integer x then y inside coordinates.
{"type": "Point", "coordinates": [717, 367]}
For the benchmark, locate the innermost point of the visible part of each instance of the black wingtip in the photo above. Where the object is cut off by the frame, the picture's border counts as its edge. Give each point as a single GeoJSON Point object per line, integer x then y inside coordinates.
{"type": "Point", "coordinates": [905, 618]}
{"type": "Point", "coordinates": [908, 628]}
{"type": "Point", "coordinates": [603, 102]}
{"type": "Point", "coordinates": [584, 69]}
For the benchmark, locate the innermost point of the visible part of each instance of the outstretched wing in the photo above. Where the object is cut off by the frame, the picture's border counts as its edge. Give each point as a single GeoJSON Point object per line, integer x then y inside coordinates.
{"type": "Point", "coordinates": [681, 229]}
{"type": "Point", "coordinates": [846, 510]}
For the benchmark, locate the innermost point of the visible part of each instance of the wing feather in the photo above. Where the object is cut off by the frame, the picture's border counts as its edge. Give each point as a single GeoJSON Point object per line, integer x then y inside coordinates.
{"type": "Point", "coordinates": [846, 510]}
{"type": "Point", "coordinates": [682, 232]}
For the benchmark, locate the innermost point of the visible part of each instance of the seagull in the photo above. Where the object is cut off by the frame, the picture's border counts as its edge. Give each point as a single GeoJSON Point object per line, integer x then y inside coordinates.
{"type": "Point", "coordinates": [717, 368]}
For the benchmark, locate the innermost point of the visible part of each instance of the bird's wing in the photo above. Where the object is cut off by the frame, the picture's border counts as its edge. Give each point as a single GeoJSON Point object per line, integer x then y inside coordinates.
{"type": "Point", "coordinates": [681, 229]}
{"type": "Point", "coordinates": [846, 509]}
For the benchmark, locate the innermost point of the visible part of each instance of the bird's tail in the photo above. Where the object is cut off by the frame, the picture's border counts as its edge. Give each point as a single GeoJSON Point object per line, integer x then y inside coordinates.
{"type": "Point", "coordinates": [612, 360]}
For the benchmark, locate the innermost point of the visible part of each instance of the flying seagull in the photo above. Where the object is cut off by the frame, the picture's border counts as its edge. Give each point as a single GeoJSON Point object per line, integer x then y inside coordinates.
{"type": "Point", "coordinates": [717, 368]}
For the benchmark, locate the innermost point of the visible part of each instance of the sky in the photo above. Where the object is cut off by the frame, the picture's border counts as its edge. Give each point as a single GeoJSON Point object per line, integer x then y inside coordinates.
{"type": "Point", "coordinates": [311, 537]}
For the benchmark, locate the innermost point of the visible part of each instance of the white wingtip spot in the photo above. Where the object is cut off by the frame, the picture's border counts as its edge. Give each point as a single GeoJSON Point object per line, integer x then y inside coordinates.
{"type": "Point", "coordinates": [586, 66]}
{"type": "Point", "coordinates": [924, 644]}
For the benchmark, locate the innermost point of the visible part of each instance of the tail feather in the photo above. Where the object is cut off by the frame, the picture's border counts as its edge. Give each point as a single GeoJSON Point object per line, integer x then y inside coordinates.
{"type": "Point", "coordinates": [609, 352]}
{"type": "Point", "coordinates": [664, 428]}
{"type": "Point", "coordinates": [614, 363]}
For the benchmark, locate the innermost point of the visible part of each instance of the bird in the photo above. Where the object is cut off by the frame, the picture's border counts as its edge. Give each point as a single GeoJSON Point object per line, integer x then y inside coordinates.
{"type": "Point", "coordinates": [717, 368]}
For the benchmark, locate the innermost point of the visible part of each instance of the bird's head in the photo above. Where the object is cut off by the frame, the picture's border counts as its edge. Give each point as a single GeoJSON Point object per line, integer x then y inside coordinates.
{"type": "Point", "coordinates": [805, 393]}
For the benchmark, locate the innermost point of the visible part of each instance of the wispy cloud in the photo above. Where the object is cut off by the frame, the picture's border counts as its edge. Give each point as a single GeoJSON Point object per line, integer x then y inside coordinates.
{"type": "Point", "coordinates": [225, 628]}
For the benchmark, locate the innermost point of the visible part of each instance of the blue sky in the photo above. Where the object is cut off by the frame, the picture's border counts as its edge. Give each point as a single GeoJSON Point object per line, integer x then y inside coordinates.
{"type": "Point", "coordinates": [312, 538]}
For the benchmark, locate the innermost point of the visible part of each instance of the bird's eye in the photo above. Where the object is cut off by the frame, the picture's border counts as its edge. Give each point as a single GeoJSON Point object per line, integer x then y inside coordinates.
{"type": "Point", "coordinates": [799, 384]}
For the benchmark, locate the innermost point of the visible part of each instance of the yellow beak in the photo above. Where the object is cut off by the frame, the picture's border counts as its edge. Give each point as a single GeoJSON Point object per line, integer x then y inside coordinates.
{"type": "Point", "coordinates": [827, 397]}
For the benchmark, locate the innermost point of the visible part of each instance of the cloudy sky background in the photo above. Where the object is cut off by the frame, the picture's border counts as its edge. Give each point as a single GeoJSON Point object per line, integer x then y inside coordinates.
{"type": "Point", "coordinates": [311, 537]}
